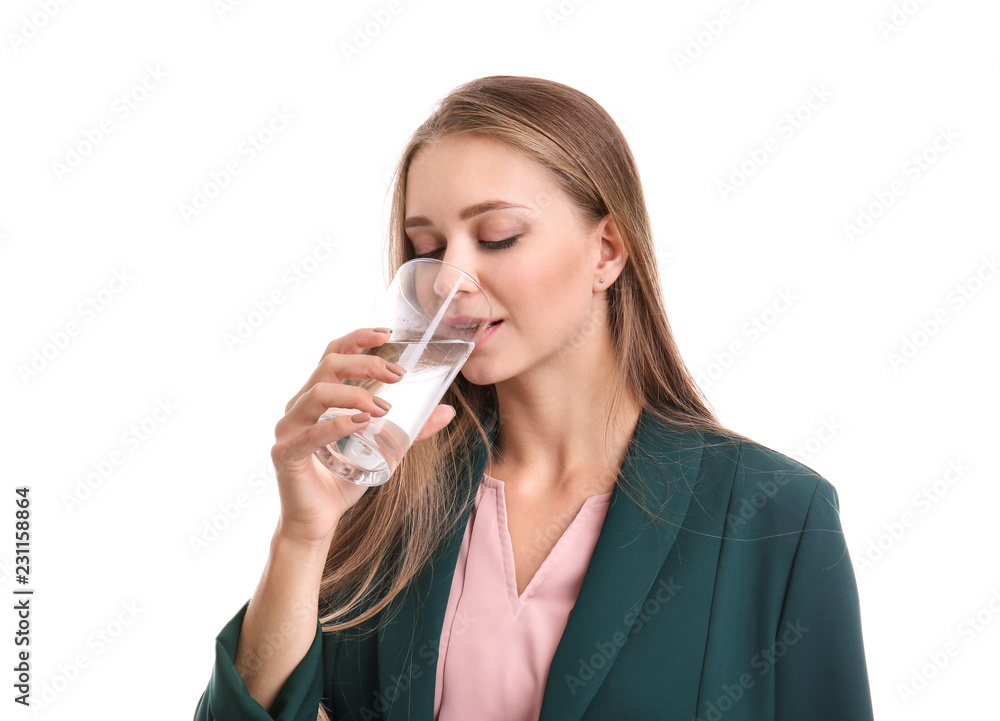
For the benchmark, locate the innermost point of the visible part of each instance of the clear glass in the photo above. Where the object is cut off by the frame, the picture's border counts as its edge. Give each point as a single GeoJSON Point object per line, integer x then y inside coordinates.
{"type": "Point", "coordinates": [437, 313]}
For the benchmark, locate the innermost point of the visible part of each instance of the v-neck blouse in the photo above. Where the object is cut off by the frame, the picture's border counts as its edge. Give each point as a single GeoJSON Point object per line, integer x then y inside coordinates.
{"type": "Point", "coordinates": [496, 646]}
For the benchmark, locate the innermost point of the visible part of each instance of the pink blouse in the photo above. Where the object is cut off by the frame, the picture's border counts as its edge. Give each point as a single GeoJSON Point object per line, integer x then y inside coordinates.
{"type": "Point", "coordinates": [496, 647]}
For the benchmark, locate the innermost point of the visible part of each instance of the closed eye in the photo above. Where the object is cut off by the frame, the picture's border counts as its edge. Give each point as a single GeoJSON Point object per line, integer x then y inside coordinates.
{"type": "Point", "coordinates": [489, 244]}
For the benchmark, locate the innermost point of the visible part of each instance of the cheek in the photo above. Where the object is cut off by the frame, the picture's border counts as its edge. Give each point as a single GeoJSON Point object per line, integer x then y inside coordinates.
{"type": "Point", "coordinates": [557, 269]}
{"type": "Point", "coordinates": [537, 289]}
{"type": "Point", "coordinates": [551, 299]}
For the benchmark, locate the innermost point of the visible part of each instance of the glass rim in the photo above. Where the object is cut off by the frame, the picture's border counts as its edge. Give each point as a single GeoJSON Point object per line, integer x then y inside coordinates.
{"type": "Point", "coordinates": [465, 273]}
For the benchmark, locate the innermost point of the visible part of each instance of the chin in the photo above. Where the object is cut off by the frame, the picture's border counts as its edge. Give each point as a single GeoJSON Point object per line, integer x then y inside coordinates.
{"type": "Point", "coordinates": [476, 375]}
{"type": "Point", "coordinates": [482, 371]}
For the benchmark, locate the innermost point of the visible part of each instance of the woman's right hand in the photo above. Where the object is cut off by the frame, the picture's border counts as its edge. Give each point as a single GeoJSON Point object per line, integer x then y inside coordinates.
{"type": "Point", "coordinates": [313, 499]}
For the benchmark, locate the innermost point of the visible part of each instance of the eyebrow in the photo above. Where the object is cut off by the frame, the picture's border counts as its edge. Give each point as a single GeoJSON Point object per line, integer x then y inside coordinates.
{"type": "Point", "coordinates": [471, 211]}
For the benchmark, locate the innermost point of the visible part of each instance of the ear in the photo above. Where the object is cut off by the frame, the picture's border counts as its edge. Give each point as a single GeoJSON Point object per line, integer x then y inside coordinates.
{"type": "Point", "coordinates": [613, 254]}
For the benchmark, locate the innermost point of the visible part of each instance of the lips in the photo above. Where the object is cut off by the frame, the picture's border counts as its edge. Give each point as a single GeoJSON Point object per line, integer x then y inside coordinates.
{"type": "Point", "coordinates": [464, 322]}
{"type": "Point", "coordinates": [491, 329]}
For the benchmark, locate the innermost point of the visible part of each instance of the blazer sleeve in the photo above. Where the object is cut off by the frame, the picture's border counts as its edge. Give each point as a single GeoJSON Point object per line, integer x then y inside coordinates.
{"type": "Point", "coordinates": [818, 656]}
{"type": "Point", "coordinates": [227, 697]}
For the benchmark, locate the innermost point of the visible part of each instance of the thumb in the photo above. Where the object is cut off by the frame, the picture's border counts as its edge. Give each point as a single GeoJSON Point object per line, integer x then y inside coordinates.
{"type": "Point", "coordinates": [440, 417]}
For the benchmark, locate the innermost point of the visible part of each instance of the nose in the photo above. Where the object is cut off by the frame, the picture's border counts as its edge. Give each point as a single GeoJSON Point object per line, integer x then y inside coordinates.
{"type": "Point", "coordinates": [457, 286]}
{"type": "Point", "coordinates": [454, 277]}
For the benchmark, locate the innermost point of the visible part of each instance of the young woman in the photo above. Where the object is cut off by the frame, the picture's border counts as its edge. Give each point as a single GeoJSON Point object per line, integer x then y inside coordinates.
{"type": "Point", "coordinates": [574, 536]}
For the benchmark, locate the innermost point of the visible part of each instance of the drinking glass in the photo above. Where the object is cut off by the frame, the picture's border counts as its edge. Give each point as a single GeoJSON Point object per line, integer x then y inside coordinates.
{"type": "Point", "coordinates": [437, 312]}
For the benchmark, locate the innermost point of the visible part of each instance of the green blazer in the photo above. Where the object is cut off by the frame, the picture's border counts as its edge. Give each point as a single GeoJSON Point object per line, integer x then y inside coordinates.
{"type": "Point", "coordinates": [738, 604]}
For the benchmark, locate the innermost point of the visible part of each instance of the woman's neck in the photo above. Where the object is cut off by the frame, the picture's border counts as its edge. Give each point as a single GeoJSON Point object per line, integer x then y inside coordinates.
{"type": "Point", "coordinates": [561, 437]}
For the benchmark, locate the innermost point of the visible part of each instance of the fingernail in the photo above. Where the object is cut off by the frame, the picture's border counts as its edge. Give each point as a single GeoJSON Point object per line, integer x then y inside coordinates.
{"type": "Point", "coordinates": [361, 417]}
{"type": "Point", "coordinates": [382, 330]}
{"type": "Point", "coordinates": [382, 403]}
{"type": "Point", "coordinates": [398, 370]}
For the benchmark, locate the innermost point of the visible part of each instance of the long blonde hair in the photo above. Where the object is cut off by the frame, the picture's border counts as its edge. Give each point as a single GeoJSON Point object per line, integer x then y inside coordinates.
{"type": "Point", "coordinates": [393, 530]}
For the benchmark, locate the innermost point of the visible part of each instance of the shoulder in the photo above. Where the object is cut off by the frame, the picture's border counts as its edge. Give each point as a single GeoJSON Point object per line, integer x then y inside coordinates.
{"type": "Point", "coordinates": [772, 492]}
{"type": "Point", "coordinates": [737, 486]}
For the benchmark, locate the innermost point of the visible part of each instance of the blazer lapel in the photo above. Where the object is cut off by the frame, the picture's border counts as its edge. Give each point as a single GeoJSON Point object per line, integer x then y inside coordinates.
{"type": "Point", "coordinates": [660, 468]}
{"type": "Point", "coordinates": [408, 643]}
{"type": "Point", "coordinates": [661, 463]}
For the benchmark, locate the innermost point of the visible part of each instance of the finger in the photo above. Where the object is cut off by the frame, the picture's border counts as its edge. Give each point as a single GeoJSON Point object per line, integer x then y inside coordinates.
{"type": "Point", "coordinates": [293, 449]}
{"type": "Point", "coordinates": [323, 396]}
{"type": "Point", "coordinates": [441, 416]}
{"type": "Point", "coordinates": [336, 367]}
{"type": "Point", "coordinates": [357, 340]}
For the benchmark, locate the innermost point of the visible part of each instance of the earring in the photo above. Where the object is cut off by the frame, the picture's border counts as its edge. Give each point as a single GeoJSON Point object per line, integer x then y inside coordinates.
{"type": "Point", "coordinates": [601, 280]}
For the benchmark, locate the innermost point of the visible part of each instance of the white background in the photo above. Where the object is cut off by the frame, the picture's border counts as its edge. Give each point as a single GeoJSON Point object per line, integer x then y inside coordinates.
{"type": "Point", "coordinates": [818, 384]}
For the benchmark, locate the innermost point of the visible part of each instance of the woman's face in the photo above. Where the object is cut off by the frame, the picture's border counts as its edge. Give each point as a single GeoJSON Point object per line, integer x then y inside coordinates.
{"type": "Point", "coordinates": [483, 206]}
